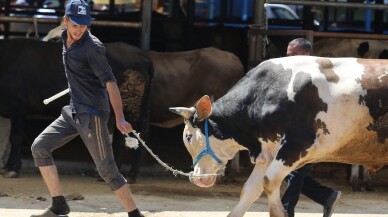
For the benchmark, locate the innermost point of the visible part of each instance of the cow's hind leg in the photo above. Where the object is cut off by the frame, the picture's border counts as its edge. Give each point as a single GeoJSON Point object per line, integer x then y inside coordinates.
{"type": "Point", "coordinates": [354, 177]}
{"type": "Point", "coordinates": [252, 188]}
{"type": "Point", "coordinates": [368, 180]}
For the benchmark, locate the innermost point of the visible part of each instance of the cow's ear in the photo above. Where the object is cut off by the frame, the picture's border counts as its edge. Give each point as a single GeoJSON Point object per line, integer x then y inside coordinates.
{"type": "Point", "coordinates": [183, 111]}
{"type": "Point", "coordinates": [204, 108]}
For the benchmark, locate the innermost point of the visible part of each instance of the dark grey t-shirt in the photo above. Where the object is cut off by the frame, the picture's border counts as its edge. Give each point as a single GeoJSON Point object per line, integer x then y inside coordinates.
{"type": "Point", "coordinates": [87, 71]}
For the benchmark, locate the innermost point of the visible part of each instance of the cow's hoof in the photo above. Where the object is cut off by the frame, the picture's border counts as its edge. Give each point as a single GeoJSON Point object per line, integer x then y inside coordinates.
{"type": "Point", "coordinates": [356, 188]}
{"type": "Point", "coordinates": [355, 185]}
{"type": "Point", "coordinates": [11, 174]}
{"type": "Point", "coordinates": [369, 188]}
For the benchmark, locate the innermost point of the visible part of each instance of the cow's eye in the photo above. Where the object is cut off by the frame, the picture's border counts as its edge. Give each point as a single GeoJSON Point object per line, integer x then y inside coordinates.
{"type": "Point", "coordinates": [189, 137]}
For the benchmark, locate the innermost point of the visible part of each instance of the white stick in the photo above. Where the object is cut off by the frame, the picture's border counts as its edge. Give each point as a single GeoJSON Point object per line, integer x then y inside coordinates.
{"type": "Point", "coordinates": [56, 96]}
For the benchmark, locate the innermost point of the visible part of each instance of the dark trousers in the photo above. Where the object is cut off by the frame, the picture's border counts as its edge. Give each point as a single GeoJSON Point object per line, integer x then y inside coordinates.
{"type": "Point", "coordinates": [300, 181]}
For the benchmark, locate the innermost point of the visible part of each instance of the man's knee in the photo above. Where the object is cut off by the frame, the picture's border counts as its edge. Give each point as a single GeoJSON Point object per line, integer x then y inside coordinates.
{"type": "Point", "coordinates": [110, 173]}
{"type": "Point", "coordinates": [39, 150]}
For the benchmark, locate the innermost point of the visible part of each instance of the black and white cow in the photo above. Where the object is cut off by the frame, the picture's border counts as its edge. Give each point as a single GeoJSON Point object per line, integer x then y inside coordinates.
{"type": "Point", "coordinates": [289, 112]}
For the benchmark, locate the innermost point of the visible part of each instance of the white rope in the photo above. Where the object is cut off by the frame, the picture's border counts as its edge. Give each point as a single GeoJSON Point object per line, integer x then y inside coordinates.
{"type": "Point", "coordinates": [36, 28]}
{"type": "Point", "coordinates": [174, 171]}
{"type": "Point", "coordinates": [265, 38]}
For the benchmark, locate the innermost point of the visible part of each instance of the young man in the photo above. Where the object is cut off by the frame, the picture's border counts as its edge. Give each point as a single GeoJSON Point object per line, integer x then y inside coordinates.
{"type": "Point", "coordinates": [299, 181]}
{"type": "Point", "coordinates": [92, 86]}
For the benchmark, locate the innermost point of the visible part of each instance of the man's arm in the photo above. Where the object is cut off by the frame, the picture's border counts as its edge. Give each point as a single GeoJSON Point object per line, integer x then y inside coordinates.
{"type": "Point", "coordinates": [115, 100]}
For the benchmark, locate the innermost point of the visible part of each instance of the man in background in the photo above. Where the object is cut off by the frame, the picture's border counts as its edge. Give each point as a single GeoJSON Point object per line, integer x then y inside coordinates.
{"type": "Point", "coordinates": [300, 181]}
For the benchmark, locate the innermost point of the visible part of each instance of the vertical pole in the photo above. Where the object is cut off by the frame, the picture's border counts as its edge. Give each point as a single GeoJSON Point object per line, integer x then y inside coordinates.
{"type": "Point", "coordinates": [211, 10]}
{"type": "Point", "coordinates": [190, 24]}
{"type": "Point", "coordinates": [258, 12]}
{"type": "Point", "coordinates": [111, 7]}
{"type": "Point", "coordinates": [368, 17]}
{"type": "Point", "coordinates": [146, 24]}
{"type": "Point", "coordinates": [7, 24]}
{"type": "Point", "coordinates": [308, 18]}
{"type": "Point", "coordinates": [255, 47]}
{"type": "Point", "coordinates": [378, 21]}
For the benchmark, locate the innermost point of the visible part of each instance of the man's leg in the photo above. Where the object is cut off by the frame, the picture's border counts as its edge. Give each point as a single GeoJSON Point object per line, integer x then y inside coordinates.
{"type": "Point", "coordinates": [295, 186]}
{"type": "Point", "coordinates": [291, 196]}
{"type": "Point", "coordinates": [321, 194]}
{"type": "Point", "coordinates": [51, 178]}
{"type": "Point", "coordinates": [94, 132]}
{"type": "Point", "coordinates": [315, 191]}
{"type": "Point", "coordinates": [54, 136]}
{"type": "Point", "coordinates": [5, 144]}
{"type": "Point", "coordinates": [126, 198]}
{"type": "Point", "coordinates": [59, 205]}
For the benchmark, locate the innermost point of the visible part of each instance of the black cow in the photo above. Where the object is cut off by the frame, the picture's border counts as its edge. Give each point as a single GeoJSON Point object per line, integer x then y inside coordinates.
{"type": "Point", "coordinates": [289, 112]}
{"type": "Point", "coordinates": [32, 71]}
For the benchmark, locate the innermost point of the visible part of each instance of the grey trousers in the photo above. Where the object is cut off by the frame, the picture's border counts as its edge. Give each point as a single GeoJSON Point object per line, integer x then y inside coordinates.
{"type": "Point", "coordinates": [93, 131]}
{"type": "Point", "coordinates": [5, 143]}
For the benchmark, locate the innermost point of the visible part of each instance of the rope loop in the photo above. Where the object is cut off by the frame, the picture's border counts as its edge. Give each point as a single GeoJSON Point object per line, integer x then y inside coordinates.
{"type": "Point", "coordinates": [174, 171]}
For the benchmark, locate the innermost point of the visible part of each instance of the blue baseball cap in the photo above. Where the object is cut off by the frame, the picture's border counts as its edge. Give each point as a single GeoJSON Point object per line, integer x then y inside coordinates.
{"type": "Point", "coordinates": [79, 12]}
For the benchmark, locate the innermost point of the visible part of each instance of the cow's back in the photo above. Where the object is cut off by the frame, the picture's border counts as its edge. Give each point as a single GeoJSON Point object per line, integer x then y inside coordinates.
{"type": "Point", "coordinates": [134, 71]}
{"type": "Point", "coordinates": [30, 72]}
{"type": "Point", "coordinates": [342, 101]}
{"type": "Point", "coordinates": [182, 77]}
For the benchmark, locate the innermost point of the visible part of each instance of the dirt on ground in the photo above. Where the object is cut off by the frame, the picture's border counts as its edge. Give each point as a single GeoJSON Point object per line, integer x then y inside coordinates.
{"type": "Point", "coordinates": [171, 196]}
{"type": "Point", "coordinates": [160, 194]}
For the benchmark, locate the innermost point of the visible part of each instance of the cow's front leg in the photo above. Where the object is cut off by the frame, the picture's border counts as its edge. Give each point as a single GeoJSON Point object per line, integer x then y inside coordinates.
{"type": "Point", "coordinates": [252, 189]}
{"type": "Point", "coordinates": [272, 182]}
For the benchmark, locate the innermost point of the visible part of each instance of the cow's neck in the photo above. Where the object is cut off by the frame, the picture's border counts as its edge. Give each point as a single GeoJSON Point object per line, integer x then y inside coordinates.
{"type": "Point", "coordinates": [228, 126]}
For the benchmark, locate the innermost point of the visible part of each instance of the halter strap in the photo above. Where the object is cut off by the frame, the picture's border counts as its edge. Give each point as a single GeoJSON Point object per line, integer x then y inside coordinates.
{"type": "Point", "coordinates": [207, 149]}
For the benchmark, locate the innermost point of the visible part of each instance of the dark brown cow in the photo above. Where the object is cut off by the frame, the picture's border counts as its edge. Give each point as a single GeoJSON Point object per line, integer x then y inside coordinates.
{"type": "Point", "coordinates": [182, 77]}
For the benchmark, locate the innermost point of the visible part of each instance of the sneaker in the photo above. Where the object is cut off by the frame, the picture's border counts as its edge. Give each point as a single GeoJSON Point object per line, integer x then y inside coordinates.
{"type": "Point", "coordinates": [48, 213]}
{"type": "Point", "coordinates": [11, 174]}
{"type": "Point", "coordinates": [331, 203]}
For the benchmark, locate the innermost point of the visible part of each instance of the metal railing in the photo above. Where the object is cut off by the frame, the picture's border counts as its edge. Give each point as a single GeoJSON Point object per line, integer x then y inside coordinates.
{"type": "Point", "coordinates": [255, 55]}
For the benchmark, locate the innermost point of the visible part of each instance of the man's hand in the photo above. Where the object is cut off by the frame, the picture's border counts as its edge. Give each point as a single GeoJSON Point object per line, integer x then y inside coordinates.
{"type": "Point", "coordinates": [123, 126]}
{"type": "Point", "coordinates": [115, 100]}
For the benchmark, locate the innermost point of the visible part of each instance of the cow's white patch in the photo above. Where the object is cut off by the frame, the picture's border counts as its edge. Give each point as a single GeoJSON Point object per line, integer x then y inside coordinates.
{"type": "Point", "coordinates": [341, 121]}
{"type": "Point", "coordinates": [339, 96]}
{"type": "Point", "coordinates": [296, 66]}
{"type": "Point", "coordinates": [382, 76]}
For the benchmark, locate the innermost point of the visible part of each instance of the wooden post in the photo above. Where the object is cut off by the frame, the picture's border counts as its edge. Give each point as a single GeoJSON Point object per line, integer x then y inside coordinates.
{"type": "Point", "coordinates": [146, 24]}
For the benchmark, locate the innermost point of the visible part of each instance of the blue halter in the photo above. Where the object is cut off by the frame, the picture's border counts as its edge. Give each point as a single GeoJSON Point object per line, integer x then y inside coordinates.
{"type": "Point", "coordinates": [207, 150]}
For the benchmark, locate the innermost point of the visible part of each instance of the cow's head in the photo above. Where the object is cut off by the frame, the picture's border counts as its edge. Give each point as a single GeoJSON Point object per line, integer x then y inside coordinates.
{"type": "Point", "coordinates": [209, 153]}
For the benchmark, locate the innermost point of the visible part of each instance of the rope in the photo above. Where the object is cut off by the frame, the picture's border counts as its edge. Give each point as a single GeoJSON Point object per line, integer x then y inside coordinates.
{"type": "Point", "coordinates": [174, 171]}
{"type": "Point", "coordinates": [265, 38]}
{"type": "Point", "coordinates": [36, 28]}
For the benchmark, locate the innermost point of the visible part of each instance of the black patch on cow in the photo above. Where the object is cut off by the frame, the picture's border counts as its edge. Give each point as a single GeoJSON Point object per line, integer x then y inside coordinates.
{"type": "Point", "coordinates": [258, 107]}
{"type": "Point", "coordinates": [383, 54]}
{"type": "Point", "coordinates": [322, 125]}
{"type": "Point", "coordinates": [375, 83]}
{"type": "Point", "coordinates": [362, 49]}
{"type": "Point", "coordinates": [301, 132]}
